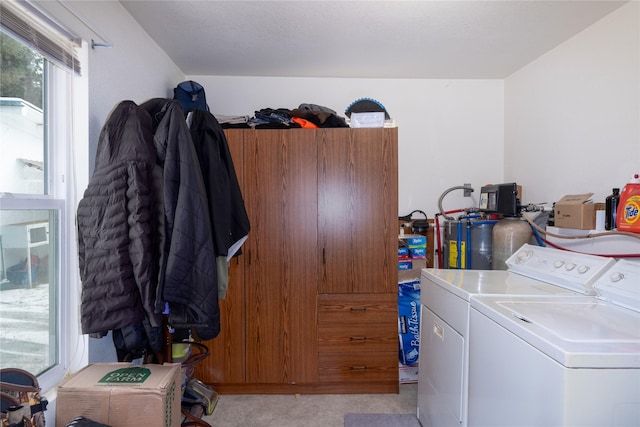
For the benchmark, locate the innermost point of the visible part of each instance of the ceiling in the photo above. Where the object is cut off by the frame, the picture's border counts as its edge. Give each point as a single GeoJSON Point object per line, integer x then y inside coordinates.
{"type": "Point", "coordinates": [362, 39]}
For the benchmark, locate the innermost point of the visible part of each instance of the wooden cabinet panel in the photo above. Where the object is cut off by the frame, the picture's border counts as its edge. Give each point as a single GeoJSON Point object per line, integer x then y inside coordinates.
{"type": "Point", "coordinates": [281, 268]}
{"type": "Point", "coordinates": [357, 210]}
{"type": "Point", "coordinates": [357, 338]}
{"type": "Point", "coordinates": [357, 308]}
{"type": "Point", "coordinates": [349, 367]}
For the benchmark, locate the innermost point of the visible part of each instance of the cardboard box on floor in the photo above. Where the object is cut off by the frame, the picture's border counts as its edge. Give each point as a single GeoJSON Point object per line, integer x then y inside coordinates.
{"type": "Point", "coordinates": [414, 272]}
{"type": "Point", "coordinates": [122, 395]}
{"type": "Point", "coordinates": [408, 374]}
{"type": "Point", "coordinates": [576, 211]}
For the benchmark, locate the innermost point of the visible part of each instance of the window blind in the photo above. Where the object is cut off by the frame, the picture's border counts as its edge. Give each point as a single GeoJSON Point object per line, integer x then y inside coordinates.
{"type": "Point", "coordinates": [24, 21]}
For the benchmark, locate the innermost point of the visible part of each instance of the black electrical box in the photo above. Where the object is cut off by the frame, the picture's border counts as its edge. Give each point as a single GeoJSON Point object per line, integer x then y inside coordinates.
{"type": "Point", "coordinates": [501, 199]}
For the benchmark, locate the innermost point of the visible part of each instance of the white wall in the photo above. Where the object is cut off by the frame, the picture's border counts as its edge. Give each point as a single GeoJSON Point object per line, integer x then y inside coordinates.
{"type": "Point", "coordinates": [572, 117]}
{"type": "Point", "coordinates": [133, 68]}
{"type": "Point", "coordinates": [450, 131]}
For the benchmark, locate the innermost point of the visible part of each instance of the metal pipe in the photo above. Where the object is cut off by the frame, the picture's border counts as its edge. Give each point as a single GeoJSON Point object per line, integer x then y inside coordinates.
{"type": "Point", "coordinates": [447, 191]}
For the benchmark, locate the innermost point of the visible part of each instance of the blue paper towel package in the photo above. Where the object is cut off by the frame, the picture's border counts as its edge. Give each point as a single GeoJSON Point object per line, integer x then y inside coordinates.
{"type": "Point", "coordinates": [409, 321]}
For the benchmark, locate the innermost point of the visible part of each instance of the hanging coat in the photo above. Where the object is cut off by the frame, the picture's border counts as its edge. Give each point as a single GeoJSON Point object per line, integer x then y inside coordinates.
{"type": "Point", "coordinates": [229, 220]}
{"type": "Point", "coordinates": [188, 271]}
{"type": "Point", "coordinates": [117, 219]}
{"type": "Point", "coordinates": [230, 223]}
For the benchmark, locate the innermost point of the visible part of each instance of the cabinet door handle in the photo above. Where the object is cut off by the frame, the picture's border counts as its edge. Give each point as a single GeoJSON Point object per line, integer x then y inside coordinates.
{"type": "Point", "coordinates": [358, 338]}
{"type": "Point", "coordinates": [358, 308]}
{"type": "Point", "coordinates": [358, 368]}
{"type": "Point", "coordinates": [324, 256]}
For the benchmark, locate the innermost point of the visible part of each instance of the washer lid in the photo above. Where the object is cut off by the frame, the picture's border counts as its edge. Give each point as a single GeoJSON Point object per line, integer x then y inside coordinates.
{"type": "Point", "coordinates": [465, 283]}
{"type": "Point", "coordinates": [576, 331]}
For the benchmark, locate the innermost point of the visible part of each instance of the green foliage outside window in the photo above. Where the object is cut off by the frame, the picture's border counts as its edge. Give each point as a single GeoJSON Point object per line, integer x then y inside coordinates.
{"type": "Point", "coordinates": [21, 71]}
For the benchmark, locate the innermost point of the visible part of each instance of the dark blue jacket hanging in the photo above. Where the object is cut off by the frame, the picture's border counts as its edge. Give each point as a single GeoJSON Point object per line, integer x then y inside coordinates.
{"type": "Point", "coordinates": [229, 220]}
{"type": "Point", "coordinates": [188, 273]}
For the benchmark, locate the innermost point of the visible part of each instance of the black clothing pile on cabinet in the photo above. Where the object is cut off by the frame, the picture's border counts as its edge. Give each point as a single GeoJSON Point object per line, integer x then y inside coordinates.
{"type": "Point", "coordinates": [160, 219]}
{"type": "Point", "coordinates": [306, 115]}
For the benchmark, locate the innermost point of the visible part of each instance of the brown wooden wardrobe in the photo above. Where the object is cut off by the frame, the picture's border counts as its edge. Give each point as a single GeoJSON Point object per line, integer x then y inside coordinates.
{"type": "Point", "coordinates": [312, 300]}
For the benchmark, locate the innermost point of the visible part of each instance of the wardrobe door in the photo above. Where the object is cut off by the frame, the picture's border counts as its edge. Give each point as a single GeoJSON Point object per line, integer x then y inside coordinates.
{"type": "Point", "coordinates": [226, 360]}
{"type": "Point", "coordinates": [281, 258]}
{"type": "Point", "coordinates": [357, 210]}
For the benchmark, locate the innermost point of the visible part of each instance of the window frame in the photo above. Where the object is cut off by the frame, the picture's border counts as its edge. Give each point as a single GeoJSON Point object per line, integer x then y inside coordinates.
{"type": "Point", "coordinates": [56, 372]}
{"type": "Point", "coordinates": [65, 116]}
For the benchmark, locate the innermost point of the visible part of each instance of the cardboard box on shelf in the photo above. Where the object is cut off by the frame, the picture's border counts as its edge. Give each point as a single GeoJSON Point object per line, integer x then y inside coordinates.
{"type": "Point", "coordinates": [414, 240]}
{"type": "Point", "coordinates": [403, 252]}
{"type": "Point", "coordinates": [405, 264]}
{"type": "Point", "coordinates": [415, 245]}
{"type": "Point", "coordinates": [414, 271]}
{"type": "Point", "coordinates": [122, 395]}
{"type": "Point", "coordinates": [418, 252]}
{"type": "Point", "coordinates": [576, 211]}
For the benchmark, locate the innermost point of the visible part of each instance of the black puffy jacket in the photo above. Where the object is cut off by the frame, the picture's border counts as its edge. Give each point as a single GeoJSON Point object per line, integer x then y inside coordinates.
{"type": "Point", "coordinates": [118, 220]}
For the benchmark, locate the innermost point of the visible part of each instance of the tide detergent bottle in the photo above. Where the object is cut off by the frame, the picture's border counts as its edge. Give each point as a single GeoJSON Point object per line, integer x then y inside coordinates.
{"type": "Point", "coordinates": [628, 217]}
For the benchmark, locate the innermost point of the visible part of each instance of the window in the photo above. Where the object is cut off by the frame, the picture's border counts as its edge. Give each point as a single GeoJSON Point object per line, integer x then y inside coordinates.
{"type": "Point", "coordinates": [36, 204]}
{"type": "Point", "coordinates": [28, 289]}
{"type": "Point", "coordinates": [30, 214]}
{"type": "Point", "coordinates": [22, 115]}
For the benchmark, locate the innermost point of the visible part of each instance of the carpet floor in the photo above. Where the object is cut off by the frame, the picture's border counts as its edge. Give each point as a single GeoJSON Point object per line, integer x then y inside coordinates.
{"type": "Point", "coordinates": [381, 420]}
{"type": "Point", "coordinates": [308, 410]}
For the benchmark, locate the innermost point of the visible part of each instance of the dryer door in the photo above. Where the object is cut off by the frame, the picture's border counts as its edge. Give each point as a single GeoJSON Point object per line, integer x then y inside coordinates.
{"type": "Point", "coordinates": [441, 371]}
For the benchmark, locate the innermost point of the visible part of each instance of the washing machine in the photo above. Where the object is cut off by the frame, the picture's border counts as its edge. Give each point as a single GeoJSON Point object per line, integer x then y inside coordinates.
{"type": "Point", "coordinates": [558, 361]}
{"type": "Point", "coordinates": [445, 297]}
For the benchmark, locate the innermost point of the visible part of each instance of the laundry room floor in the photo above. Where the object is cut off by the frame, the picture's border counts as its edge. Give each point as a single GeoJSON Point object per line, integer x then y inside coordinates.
{"type": "Point", "coordinates": [307, 410]}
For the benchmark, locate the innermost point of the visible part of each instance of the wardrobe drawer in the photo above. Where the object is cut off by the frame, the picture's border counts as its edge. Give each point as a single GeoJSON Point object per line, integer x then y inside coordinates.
{"type": "Point", "coordinates": [363, 309]}
{"type": "Point", "coordinates": [357, 337]}
{"type": "Point", "coordinates": [376, 366]}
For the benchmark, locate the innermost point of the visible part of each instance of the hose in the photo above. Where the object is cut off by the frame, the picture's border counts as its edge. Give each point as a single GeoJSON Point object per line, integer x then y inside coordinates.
{"type": "Point", "coordinates": [447, 191]}
{"type": "Point", "coordinates": [539, 230]}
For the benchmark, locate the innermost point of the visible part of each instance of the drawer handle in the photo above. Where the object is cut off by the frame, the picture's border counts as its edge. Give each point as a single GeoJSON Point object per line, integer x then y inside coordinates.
{"type": "Point", "coordinates": [358, 308]}
{"type": "Point", "coordinates": [358, 338]}
{"type": "Point", "coordinates": [358, 368]}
